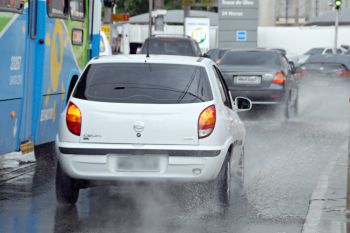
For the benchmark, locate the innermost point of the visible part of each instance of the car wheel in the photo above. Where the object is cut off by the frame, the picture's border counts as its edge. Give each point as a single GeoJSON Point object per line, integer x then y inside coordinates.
{"type": "Point", "coordinates": [296, 104]}
{"type": "Point", "coordinates": [67, 189]}
{"type": "Point", "coordinates": [223, 184]}
{"type": "Point", "coordinates": [239, 171]}
{"type": "Point", "coordinates": [290, 106]}
{"type": "Point", "coordinates": [45, 154]}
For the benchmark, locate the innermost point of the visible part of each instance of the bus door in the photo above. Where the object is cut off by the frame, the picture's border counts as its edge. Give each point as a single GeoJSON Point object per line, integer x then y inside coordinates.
{"type": "Point", "coordinates": [29, 77]}
{"type": "Point", "coordinates": [13, 34]}
{"type": "Point", "coordinates": [63, 25]}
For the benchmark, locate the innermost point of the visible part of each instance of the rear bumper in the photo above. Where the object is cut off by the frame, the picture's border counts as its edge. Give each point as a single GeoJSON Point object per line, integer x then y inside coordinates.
{"type": "Point", "coordinates": [176, 163]}
{"type": "Point", "coordinates": [261, 96]}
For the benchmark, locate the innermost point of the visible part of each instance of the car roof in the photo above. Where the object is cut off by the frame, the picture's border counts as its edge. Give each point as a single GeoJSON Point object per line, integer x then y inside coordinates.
{"type": "Point", "coordinates": [170, 38]}
{"type": "Point", "coordinates": [163, 59]}
{"type": "Point", "coordinates": [272, 51]}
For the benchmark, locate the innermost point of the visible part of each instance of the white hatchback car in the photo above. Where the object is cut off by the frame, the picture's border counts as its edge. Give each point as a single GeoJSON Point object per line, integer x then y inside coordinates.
{"type": "Point", "coordinates": [147, 119]}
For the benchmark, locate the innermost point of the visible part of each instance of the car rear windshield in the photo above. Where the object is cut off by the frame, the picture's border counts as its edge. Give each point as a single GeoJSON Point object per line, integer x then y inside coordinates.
{"type": "Point", "coordinates": [248, 58]}
{"type": "Point", "coordinates": [144, 83]}
{"type": "Point", "coordinates": [169, 46]}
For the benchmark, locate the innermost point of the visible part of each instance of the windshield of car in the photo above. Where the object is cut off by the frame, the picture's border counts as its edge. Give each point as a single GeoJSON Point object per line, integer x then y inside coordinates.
{"type": "Point", "coordinates": [144, 83]}
{"type": "Point", "coordinates": [169, 46]}
{"type": "Point", "coordinates": [250, 58]}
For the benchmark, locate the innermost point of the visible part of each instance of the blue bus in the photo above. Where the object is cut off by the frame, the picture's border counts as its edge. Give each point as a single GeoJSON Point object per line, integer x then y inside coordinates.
{"type": "Point", "coordinates": [44, 45]}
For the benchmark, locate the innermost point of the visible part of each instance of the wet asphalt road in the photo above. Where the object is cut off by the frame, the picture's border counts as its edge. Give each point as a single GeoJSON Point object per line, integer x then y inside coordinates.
{"type": "Point", "coordinates": [284, 160]}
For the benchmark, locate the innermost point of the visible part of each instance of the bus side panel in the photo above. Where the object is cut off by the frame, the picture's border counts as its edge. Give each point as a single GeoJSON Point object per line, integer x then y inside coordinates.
{"type": "Point", "coordinates": [9, 125]}
{"type": "Point", "coordinates": [13, 29]}
{"type": "Point", "coordinates": [61, 60]}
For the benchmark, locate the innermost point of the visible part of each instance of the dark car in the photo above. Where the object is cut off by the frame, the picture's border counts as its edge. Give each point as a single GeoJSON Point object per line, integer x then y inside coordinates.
{"type": "Point", "coordinates": [216, 54]}
{"type": "Point", "coordinates": [264, 76]}
{"type": "Point", "coordinates": [325, 69]}
{"type": "Point", "coordinates": [171, 45]}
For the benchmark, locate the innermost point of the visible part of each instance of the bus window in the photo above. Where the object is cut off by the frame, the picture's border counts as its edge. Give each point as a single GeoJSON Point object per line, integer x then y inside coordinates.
{"type": "Point", "coordinates": [12, 5]}
{"type": "Point", "coordinates": [77, 9]}
{"type": "Point", "coordinates": [57, 8]}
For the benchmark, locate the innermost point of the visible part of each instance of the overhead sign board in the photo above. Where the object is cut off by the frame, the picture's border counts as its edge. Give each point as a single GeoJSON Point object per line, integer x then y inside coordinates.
{"type": "Point", "coordinates": [120, 17]}
{"type": "Point", "coordinates": [238, 22]}
{"type": "Point", "coordinates": [198, 29]}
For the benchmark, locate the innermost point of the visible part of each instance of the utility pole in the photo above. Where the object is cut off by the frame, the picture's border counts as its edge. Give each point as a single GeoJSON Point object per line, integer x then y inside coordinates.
{"type": "Point", "coordinates": [286, 11]}
{"type": "Point", "coordinates": [150, 8]}
{"type": "Point", "coordinates": [337, 7]}
{"type": "Point", "coordinates": [336, 31]}
{"type": "Point", "coordinates": [297, 12]}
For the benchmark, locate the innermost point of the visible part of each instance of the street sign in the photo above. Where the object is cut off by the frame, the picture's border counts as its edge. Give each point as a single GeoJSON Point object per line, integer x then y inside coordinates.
{"type": "Point", "coordinates": [199, 30]}
{"type": "Point", "coordinates": [120, 17]}
{"type": "Point", "coordinates": [238, 23]}
{"type": "Point", "coordinates": [241, 35]}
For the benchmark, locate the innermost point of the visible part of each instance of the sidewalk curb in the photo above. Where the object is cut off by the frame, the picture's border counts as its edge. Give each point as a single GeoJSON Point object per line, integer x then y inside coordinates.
{"type": "Point", "coordinates": [315, 221]}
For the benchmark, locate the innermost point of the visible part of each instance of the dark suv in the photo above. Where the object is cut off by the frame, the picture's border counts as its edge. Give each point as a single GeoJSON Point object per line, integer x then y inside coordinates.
{"type": "Point", "coordinates": [171, 45]}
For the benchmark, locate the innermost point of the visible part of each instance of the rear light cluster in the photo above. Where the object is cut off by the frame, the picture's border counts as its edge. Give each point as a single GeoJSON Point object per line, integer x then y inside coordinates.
{"type": "Point", "coordinates": [206, 122]}
{"type": "Point", "coordinates": [343, 73]}
{"type": "Point", "coordinates": [279, 78]}
{"type": "Point", "coordinates": [73, 119]}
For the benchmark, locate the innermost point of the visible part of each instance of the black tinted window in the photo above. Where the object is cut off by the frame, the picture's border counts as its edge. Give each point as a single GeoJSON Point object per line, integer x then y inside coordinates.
{"type": "Point", "coordinates": [244, 58]}
{"type": "Point", "coordinates": [169, 46]}
{"type": "Point", "coordinates": [144, 83]}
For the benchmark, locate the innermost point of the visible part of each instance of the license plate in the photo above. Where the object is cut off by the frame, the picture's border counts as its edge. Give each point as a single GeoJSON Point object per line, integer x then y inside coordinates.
{"type": "Point", "coordinates": [138, 163]}
{"type": "Point", "coordinates": [247, 79]}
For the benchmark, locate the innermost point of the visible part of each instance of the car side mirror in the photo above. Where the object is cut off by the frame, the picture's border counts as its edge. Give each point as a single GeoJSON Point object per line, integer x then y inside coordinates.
{"type": "Point", "coordinates": [243, 104]}
{"type": "Point", "coordinates": [292, 67]}
{"type": "Point", "coordinates": [205, 55]}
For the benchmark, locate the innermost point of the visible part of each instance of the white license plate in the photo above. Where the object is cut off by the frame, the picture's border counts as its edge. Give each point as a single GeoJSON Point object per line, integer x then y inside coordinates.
{"type": "Point", "coordinates": [138, 163]}
{"type": "Point", "coordinates": [247, 79]}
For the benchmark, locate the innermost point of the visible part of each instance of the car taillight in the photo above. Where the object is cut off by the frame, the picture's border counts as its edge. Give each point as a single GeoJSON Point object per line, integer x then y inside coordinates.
{"type": "Point", "coordinates": [73, 119]}
{"type": "Point", "coordinates": [206, 122]}
{"type": "Point", "coordinates": [343, 73]}
{"type": "Point", "coordinates": [279, 78]}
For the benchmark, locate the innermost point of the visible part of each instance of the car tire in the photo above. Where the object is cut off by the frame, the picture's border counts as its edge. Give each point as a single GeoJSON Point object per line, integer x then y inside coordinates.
{"type": "Point", "coordinates": [290, 107]}
{"type": "Point", "coordinates": [223, 183]}
{"type": "Point", "coordinates": [238, 174]}
{"type": "Point", "coordinates": [296, 104]}
{"type": "Point", "coordinates": [67, 189]}
{"type": "Point", "coordinates": [45, 154]}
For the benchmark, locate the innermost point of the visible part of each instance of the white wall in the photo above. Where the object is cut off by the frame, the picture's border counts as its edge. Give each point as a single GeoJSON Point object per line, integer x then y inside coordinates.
{"type": "Point", "coordinates": [297, 40]}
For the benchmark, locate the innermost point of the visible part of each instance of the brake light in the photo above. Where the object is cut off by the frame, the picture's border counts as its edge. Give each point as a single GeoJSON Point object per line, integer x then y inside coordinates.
{"type": "Point", "coordinates": [343, 73]}
{"type": "Point", "coordinates": [279, 78]}
{"type": "Point", "coordinates": [206, 122]}
{"type": "Point", "coordinates": [73, 119]}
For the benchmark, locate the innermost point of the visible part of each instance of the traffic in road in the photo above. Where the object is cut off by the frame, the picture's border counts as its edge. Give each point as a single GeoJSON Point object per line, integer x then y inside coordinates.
{"type": "Point", "coordinates": [284, 162]}
{"type": "Point", "coordinates": [185, 116]}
